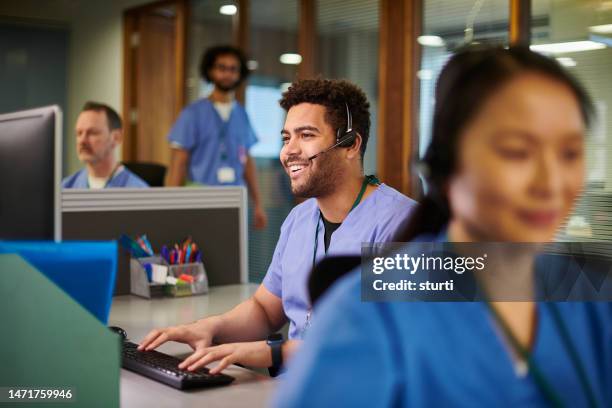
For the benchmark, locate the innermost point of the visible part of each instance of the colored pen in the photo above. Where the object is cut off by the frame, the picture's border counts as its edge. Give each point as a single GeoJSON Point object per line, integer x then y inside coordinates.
{"type": "Point", "coordinates": [148, 244]}
{"type": "Point", "coordinates": [142, 244]}
{"type": "Point", "coordinates": [194, 248]}
{"type": "Point", "coordinates": [187, 254]}
{"type": "Point", "coordinates": [164, 253]}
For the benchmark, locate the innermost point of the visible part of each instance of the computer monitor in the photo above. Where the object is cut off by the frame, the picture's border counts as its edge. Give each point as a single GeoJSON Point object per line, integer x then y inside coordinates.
{"type": "Point", "coordinates": [30, 174]}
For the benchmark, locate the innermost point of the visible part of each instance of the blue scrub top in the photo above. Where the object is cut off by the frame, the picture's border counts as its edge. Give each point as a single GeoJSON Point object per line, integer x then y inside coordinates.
{"type": "Point", "coordinates": [426, 354]}
{"type": "Point", "coordinates": [124, 178]}
{"type": "Point", "coordinates": [212, 142]}
{"type": "Point", "coordinates": [376, 219]}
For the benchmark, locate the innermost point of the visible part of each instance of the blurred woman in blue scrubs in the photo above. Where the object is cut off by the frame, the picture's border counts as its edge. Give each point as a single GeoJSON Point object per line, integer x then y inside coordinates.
{"type": "Point", "coordinates": [506, 164]}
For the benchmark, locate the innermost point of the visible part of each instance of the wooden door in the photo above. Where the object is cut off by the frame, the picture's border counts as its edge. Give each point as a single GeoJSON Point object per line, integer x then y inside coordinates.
{"type": "Point", "coordinates": [154, 78]}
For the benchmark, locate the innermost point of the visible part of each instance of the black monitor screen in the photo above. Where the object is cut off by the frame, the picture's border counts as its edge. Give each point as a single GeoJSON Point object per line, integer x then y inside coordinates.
{"type": "Point", "coordinates": [29, 173]}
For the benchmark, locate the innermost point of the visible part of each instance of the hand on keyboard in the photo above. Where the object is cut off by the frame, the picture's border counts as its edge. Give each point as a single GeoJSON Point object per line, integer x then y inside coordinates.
{"type": "Point", "coordinates": [164, 368]}
{"type": "Point", "coordinates": [252, 354]}
{"type": "Point", "coordinates": [197, 335]}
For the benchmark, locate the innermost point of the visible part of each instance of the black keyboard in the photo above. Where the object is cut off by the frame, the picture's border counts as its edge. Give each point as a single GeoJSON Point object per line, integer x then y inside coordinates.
{"type": "Point", "coordinates": [164, 368]}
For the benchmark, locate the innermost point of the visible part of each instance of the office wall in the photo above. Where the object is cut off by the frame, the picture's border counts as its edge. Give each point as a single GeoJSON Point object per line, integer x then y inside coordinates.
{"type": "Point", "coordinates": [95, 56]}
{"type": "Point", "coordinates": [33, 70]}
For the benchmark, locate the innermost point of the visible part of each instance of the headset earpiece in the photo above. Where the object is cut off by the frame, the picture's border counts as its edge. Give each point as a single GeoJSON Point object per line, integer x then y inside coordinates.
{"type": "Point", "coordinates": [345, 137]}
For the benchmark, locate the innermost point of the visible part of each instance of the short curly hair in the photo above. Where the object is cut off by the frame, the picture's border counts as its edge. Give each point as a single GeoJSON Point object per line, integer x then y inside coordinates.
{"type": "Point", "coordinates": [210, 57]}
{"type": "Point", "coordinates": [333, 94]}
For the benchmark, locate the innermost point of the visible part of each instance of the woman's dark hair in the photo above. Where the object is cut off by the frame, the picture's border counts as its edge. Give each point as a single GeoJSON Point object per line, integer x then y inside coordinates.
{"type": "Point", "coordinates": [465, 84]}
{"type": "Point", "coordinates": [210, 58]}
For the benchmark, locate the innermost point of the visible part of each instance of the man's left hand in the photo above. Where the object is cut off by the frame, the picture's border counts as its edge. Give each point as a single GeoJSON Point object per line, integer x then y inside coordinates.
{"type": "Point", "coordinates": [252, 354]}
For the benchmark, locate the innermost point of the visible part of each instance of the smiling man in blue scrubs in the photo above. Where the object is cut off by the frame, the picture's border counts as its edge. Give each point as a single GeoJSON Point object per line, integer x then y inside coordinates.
{"type": "Point", "coordinates": [324, 140]}
{"type": "Point", "coordinates": [98, 133]}
{"type": "Point", "coordinates": [506, 164]}
{"type": "Point", "coordinates": [211, 138]}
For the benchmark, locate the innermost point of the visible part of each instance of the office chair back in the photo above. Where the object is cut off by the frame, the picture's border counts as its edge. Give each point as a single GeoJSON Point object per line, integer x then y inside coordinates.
{"type": "Point", "coordinates": [152, 173]}
{"type": "Point", "coordinates": [327, 272]}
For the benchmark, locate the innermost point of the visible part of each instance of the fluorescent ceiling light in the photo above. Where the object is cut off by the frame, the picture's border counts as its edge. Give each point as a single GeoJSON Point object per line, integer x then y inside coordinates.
{"type": "Point", "coordinates": [601, 29]}
{"type": "Point", "coordinates": [290, 59]}
{"type": "Point", "coordinates": [228, 9]}
{"type": "Point", "coordinates": [574, 46]}
{"type": "Point", "coordinates": [252, 65]}
{"type": "Point", "coordinates": [431, 41]}
{"type": "Point", "coordinates": [425, 74]}
{"type": "Point", "coordinates": [567, 61]}
{"type": "Point", "coordinates": [284, 87]}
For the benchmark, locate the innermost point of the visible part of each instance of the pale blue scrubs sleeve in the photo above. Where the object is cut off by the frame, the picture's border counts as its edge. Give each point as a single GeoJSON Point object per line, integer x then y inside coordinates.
{"type": "Point", "coordinates": [273, 281]}
{"type": "Point", "coordinates": [396, 224]}
{"type": "Point", "coordinates": [183, 132]}
{"type": "Point", "coordinates": [249, 137]}
{"type": "Point", "coordinates": [346, 354]}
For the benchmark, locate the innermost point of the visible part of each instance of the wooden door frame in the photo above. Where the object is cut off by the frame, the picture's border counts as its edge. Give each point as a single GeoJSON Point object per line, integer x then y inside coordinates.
{"type": "Point", "coordinates": [399, 62]}
{"type": "Point", "coordinates": [130, 22]}
{"type": "Point", "coordinates": [398, 102]}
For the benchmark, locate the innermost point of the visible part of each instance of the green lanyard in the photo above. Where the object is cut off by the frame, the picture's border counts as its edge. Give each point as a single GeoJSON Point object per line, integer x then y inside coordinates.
{"type": "Point", "coordinates": [367, 180]}
{"type": "Point", "coordinates": [549, 393]}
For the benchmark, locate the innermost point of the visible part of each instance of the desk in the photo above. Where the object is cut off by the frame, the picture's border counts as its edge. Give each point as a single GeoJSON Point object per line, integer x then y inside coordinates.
{"type": "Point", "coordinates": [138, 316]}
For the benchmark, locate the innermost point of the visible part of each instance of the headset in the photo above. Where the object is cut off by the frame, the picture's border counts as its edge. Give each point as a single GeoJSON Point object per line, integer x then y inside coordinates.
{"type": "Point", "coordinates": [345, 137]}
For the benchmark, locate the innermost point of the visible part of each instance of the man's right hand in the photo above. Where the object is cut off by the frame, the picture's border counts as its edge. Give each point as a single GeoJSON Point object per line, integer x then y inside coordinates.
{"type": "Point", "coordinates": [198, 335]}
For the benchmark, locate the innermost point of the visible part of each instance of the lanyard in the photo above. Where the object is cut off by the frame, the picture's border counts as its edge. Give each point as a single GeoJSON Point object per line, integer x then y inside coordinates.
{"type": "Point", "coordinates": [223, 151]}
{"type": "Point", "coordinates": [367, 180]}
{"type": "Point", "coordinates": [549, 393]}
{"type": "Point", "coordinates": [222, 142]}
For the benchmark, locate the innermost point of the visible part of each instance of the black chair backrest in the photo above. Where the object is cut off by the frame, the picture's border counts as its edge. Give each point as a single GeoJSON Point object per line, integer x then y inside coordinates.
{"type": "Point", "coordinates": [328, 271]}
{"type": "Point", "coordinates": [153, 173]}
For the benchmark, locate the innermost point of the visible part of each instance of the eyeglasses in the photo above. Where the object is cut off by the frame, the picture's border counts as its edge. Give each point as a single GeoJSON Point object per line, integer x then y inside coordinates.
{"type": "Point", "coordinates": [227, 68]}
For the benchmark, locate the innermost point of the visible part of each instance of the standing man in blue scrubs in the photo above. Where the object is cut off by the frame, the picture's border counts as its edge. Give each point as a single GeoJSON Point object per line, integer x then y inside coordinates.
{"type": "Point", "coordinates": [211, 139]}
{"type": "Point", "coordinates": [324, 140]}
{"type": "Point", "coordinates": [98, 133]}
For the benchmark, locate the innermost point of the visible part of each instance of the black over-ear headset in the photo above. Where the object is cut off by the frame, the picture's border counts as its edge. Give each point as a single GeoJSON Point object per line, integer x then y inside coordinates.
{"type": "Point", "coordinates": [345, 137]}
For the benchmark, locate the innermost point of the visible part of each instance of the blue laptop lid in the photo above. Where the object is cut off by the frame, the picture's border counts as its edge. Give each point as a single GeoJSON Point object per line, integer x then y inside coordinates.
{"type": "Point", "coordinates": [84, 270]}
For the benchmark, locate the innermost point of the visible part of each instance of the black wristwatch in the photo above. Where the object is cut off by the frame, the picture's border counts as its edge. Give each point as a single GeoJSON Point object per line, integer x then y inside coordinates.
{"type": "Point", "coordinates": [275, 341]}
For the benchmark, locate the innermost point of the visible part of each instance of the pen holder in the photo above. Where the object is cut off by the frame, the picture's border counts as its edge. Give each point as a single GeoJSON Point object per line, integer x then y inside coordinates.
{"type": "Point", "coordinates": [198, 285]}
{"type": "Point", "coordinates": [141, 286]}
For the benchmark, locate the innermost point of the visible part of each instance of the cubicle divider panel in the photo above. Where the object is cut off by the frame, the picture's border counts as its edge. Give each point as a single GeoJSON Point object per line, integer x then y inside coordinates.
{"type": "Point", "coordinates": [215, 217]}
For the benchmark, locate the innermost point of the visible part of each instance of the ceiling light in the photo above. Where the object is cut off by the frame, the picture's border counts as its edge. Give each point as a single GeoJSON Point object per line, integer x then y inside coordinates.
{"type": "Point", "coordinates": [431, 41]}
{"type": "Point", "coordinates": [601, 29]}
{"type": "Point", "coordinates": [567, 61]}
{"type": "Point", "coordinates": [425, 74]}
{"type": "Point", "coordinates": [573, 46]}
{"type": "Point", "coordinates": [290, 59]}
{"type": "Point", "coordinates": [228, 9]}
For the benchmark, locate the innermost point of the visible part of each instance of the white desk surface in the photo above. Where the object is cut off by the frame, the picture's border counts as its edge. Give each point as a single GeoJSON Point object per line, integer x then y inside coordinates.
{"type": "Point", "coordinates": [137, 316]}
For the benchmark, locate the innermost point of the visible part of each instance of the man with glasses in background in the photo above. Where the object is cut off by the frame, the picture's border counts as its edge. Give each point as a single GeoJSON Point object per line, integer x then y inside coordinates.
{"type": "Point", "coordinates": [211, 139]}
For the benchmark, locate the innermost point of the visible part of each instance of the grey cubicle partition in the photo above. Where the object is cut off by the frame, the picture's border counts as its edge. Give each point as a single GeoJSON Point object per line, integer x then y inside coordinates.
{"type": "Point", "coordinates": [216, 218]}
